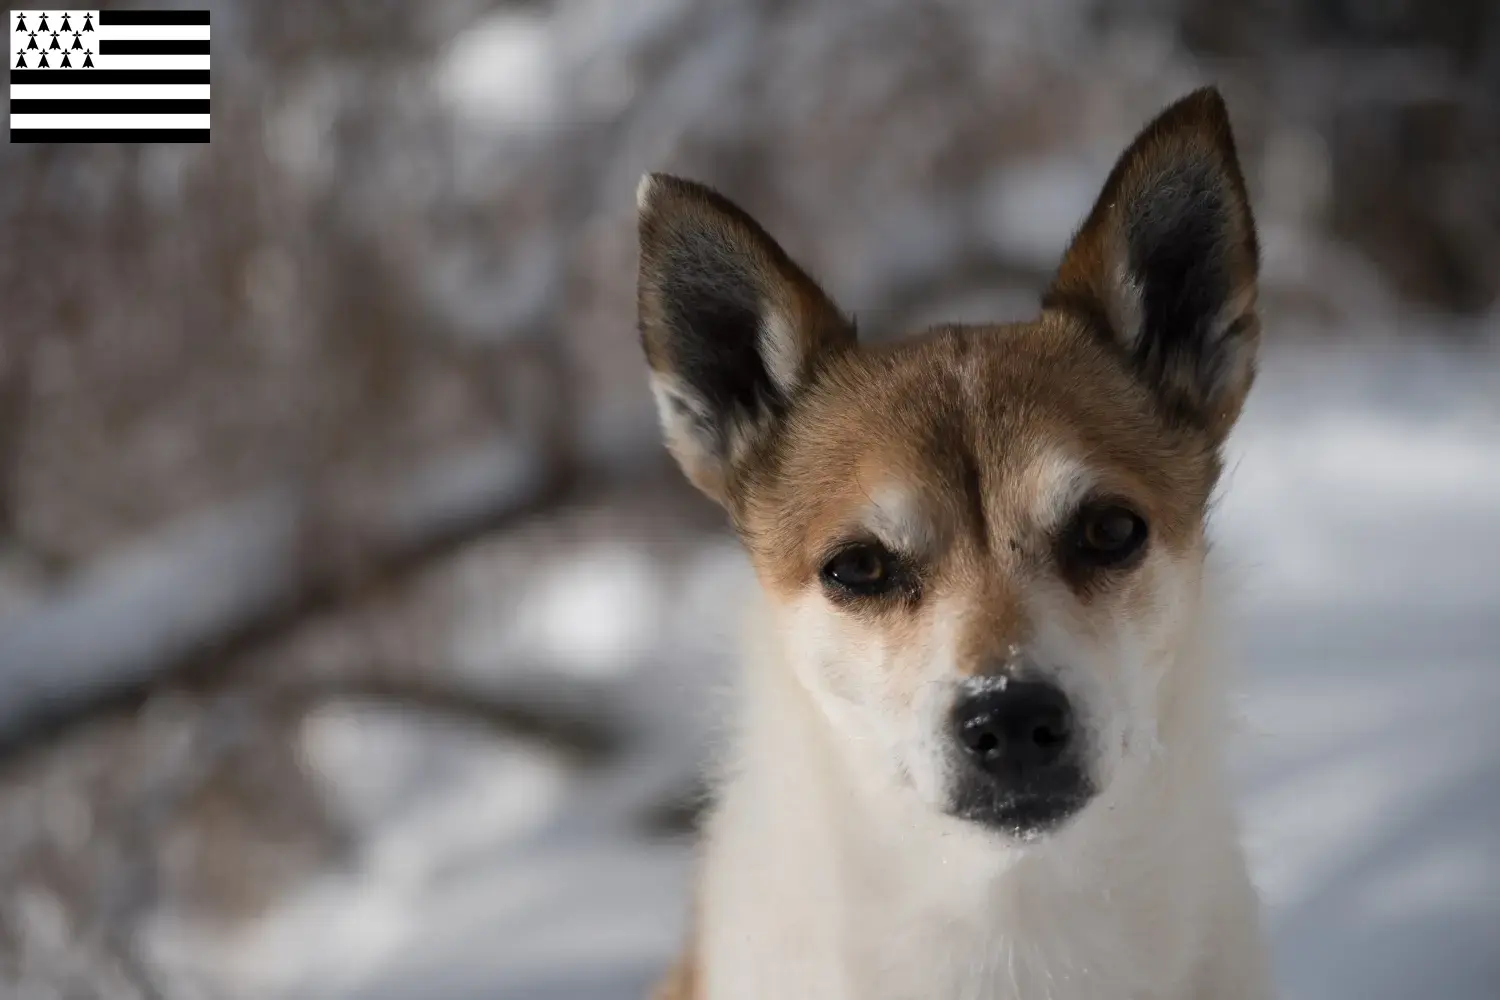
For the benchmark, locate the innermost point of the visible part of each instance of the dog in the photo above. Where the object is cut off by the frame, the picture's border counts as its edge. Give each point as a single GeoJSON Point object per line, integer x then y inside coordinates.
{"type": "Point", "coordinates": [980, 744]}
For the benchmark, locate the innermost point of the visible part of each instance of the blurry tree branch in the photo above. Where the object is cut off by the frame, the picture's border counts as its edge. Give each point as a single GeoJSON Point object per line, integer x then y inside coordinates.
{"type": "Point", "coordinates": [145, 612]}
{"type": "Point", "coordinates": [15, 385]}
{"type": "Point", "coordinates": [578, 717]}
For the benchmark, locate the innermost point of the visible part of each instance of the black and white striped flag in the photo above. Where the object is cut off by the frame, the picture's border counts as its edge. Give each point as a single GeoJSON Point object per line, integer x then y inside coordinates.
{"type": "Point", "coordinates": [108, 76]}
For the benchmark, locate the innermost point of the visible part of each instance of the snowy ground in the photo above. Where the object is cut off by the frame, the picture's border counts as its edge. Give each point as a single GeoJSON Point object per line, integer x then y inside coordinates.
{"type": "Point", "coordinates": [1362, 514]}
{"type": "Point", "coordinates": [1366, 514]}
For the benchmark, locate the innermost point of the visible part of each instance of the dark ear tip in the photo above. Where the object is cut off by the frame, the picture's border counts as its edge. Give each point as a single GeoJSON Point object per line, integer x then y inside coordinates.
{"type": "Point", "coordinates": [652, 194]}
{"type": "Point", "coordinates": [1205, 102]}
{"type": "Point", "coordinates": [654, 188]}
{"type": "Point", "coordinates": [645, 191]}
{"type": "Point", "coordinates": [660, 198]}
{"type": "Point", "coordinates": [673, 209]}
{"type": "Point", "coordinates": [663, 202]}
{"type": "Point", "coordinates": [657, 191]}
{"type": "Point", "coordinates": [1203, 111]}
{"type": "Point", "coordinates": [1208, 97]}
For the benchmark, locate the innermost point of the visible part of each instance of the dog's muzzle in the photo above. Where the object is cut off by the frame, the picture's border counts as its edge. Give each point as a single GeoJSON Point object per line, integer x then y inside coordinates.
{"type": "Point", "coordinates": [1018, 756]}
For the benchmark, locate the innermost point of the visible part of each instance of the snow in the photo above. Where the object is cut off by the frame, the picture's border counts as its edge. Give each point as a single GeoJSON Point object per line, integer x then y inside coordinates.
{"type": "Point", "coordinates": [500, 72]}
{"type": "Point", "coordinates": [1365, 512]}
{"type": "Point", "coordinates": [593, 616]}
{"type": "Point", "coordinates": [1028, 210]}
{"type": "Point", "coordinates": [432, 791]}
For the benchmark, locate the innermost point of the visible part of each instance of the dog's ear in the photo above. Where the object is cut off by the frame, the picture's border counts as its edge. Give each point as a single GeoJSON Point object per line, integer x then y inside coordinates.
{"type": "Point", "coordinates": [1166, 264]}
{"type": "Point", "coordinates": [733, 329]}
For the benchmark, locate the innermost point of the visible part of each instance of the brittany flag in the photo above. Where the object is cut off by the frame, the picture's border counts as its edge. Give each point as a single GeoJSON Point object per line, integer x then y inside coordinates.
{"type": "Point", "coordinates": [108, 76]}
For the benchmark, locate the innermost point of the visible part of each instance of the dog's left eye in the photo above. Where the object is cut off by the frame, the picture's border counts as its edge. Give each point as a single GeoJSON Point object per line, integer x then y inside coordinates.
{"type": "Point", "coordinates": [864, 569]}
{"type": "Point", "coordinates": [1108, 534]}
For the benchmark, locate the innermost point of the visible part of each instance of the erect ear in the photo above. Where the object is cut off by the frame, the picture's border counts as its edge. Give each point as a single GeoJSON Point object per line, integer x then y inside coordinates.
{"type": "Point", "coordinates": [1167, 261]}
{"type": "Point", "coordinates": [732, 328]}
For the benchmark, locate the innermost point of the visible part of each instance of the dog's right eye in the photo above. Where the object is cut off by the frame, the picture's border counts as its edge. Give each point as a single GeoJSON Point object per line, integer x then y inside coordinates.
{"type": "Point", "coordinates": [865, 569]}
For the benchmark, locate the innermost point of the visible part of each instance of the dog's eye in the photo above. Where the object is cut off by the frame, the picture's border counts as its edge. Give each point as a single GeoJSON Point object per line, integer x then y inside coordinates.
{"type": "Point", "coordinates": [1109, 534]}
{"type": "Point", "coordinates": [864, 569]}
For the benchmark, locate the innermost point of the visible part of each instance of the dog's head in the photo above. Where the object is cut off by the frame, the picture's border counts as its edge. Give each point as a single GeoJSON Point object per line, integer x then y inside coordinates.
{"type": "Point", "coordinates": [983, 543]}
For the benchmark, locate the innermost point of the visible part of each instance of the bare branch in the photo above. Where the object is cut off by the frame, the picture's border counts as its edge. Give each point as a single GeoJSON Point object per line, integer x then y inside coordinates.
{"type": "Point", "coordinates": [148, 611]}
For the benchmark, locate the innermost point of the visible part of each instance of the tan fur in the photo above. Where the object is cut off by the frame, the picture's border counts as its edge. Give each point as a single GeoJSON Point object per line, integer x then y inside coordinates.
{"type": "Point", "coordinates": [831, 867]}
{"type": "Point", "coordinates": [959, 413]}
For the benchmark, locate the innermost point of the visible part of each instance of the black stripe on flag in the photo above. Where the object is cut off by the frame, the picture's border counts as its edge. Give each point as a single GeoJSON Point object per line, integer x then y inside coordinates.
{"type": "Point", "coordinates": [109, 135]}
{"type": "Point", "coordinates": [108, 17]}
{"type": "Point", "coordinates": [110, 76]}
{"type": "Point", "coordinates": [153, 47]}
{"type": "Point", "coordinates": [105, 106]}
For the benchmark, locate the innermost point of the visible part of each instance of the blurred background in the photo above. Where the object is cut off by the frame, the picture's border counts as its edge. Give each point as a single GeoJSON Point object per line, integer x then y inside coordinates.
{"type": "Point", "coordinates": [357, 639]}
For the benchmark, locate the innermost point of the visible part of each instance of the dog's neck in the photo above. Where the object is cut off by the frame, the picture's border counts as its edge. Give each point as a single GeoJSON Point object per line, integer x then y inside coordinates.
{"type": "Point", "coordinates": [890, 882]}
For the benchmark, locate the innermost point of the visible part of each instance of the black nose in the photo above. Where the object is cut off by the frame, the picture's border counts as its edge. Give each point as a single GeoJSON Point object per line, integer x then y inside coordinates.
{"type": "Point", "coordinates": [1016, 732]}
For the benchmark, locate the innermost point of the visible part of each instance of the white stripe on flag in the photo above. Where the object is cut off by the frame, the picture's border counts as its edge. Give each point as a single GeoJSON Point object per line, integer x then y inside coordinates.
{"type": "Point", "coordinates": [109, 91]}
{"type": "Point", "coordinates": [146, 32]}
{"type": "Point", "coordinates": [108, 121]}
{"type": "Point", "coordinates": [143, 62]}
